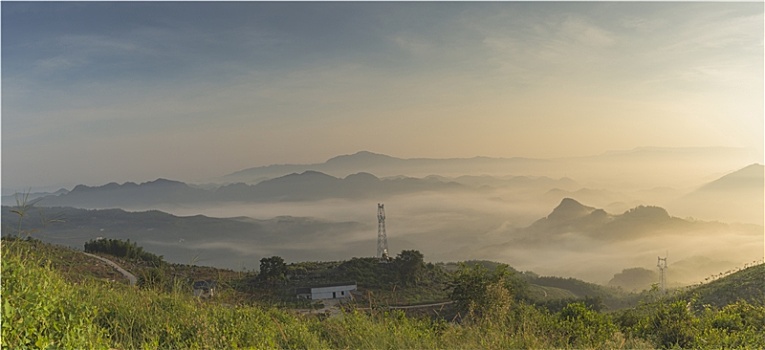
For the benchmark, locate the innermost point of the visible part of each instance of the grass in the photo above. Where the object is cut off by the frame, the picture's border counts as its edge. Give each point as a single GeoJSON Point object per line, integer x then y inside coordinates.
{"type": "Point", "coordinates": [41, 308]}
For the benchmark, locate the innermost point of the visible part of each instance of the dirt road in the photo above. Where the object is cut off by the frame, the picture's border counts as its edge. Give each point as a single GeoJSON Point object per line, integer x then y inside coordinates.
{"type": "Point", "coordinates": [133, 280]}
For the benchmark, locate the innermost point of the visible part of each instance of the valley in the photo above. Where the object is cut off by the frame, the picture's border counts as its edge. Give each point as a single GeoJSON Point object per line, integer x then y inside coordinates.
{"type": "Point", "coordinates": [553, 226]}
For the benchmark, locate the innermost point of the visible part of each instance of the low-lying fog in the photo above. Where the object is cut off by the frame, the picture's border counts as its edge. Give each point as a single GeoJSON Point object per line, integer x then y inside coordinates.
{"type": "Point", "coordinates": [484, 225]}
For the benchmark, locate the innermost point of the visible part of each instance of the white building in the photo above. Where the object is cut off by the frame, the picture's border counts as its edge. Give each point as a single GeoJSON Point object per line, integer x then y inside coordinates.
{"type": "Point", "coordinates": [334, 291]}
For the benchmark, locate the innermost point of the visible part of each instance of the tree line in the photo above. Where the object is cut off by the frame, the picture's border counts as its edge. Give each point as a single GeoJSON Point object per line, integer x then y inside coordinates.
{"type": "Point", "coordinates": [122, 249]}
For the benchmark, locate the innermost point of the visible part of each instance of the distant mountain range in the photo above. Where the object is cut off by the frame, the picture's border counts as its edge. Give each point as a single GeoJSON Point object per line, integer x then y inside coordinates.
{"type": "Point", "coordinates": [29, 197]}
{"type": "Point", "coordinates": [735, 197]}
{"type": "Point", "coordinates": [309, 185]}
{"type": "Point", "coordinates": [676, 164]}
{"type": "Point", "coordinates": [306, 186]}
{"type": "Point", "coordinates": [384, 165]}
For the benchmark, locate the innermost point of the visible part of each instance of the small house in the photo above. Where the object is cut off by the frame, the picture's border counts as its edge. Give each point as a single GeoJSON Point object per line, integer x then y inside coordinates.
{"type": "Point", "coordinates": [331, 291]}
{"type": "Point", "coordinates": [204, 289]}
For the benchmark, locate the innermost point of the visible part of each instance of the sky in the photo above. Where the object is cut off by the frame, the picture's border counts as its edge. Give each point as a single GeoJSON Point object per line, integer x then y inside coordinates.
{"type": "Point", "coordinates": [95, 92]}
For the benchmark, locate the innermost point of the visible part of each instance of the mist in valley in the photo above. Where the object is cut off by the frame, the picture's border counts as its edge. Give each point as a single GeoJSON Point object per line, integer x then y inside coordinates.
{"type": "Point", "coordinates": [489, 221]}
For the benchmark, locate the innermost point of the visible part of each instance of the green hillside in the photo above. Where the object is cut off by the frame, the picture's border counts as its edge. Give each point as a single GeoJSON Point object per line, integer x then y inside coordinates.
{"type": "Point", "coordinates": [44, 305]}
{"type": "Point", "coordinates": [747, 284]}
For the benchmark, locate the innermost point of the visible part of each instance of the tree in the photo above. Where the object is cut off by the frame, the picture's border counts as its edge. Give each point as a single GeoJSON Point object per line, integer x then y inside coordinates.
{"type": "Point", "coordinates": [272, 269]}
{"type": "Point", "coordinates": [474, 287]}
{"type": "Point", "coordinates": [410, 263]}
{"type": "Point", "coordinates": [122, 249]}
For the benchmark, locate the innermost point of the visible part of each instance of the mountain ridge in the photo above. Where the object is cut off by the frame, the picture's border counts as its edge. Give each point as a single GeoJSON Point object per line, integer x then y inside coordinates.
{"type": "Point", "coordinates": [570, 216]}
{"type": "Point", "coordinates": [308, 185]}
{"type": "Point", "coordinates": [751, 175]}
{"type": "Point", "coordinates": [680, 167]}
{"type": "Point", "coordinates": [381, 164]}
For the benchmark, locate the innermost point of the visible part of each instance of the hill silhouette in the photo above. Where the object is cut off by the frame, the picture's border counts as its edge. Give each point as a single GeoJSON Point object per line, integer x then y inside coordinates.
{"type": "Point", "coordinates": [570, 216]}
{"type": "Point", "coordinates": [750, 177]}
{"type": "Point", "coordinates": [128, 194]}
{"type": "Point", "coordinates": [735, 197]}
{"type": "Point", "coordinates": [569, 209]}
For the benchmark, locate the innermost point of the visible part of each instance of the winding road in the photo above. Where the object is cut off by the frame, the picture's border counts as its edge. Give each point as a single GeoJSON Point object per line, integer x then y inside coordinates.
{"type": "Point", "coordinates": [133, 280]}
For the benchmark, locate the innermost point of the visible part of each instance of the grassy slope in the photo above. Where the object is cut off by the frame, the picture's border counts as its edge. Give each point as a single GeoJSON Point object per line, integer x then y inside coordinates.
{"type": "Point", "coordinates": [41, 309]}
{"type": "Point", "coordinates": [747, 284]}
{"type": "Point", "coordinates": [75, 266]}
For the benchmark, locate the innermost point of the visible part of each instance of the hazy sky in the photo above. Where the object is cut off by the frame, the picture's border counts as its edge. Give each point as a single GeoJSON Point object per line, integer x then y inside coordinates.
{"type": "Point", "coordinates": [100, 92]}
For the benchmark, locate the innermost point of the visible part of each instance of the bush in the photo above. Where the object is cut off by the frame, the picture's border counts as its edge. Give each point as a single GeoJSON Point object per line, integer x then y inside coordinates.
{"type": "Point", "coordinates": [474, 288]}
{"type": "Point", "coordinates": [584, 326]}
{"type": "Point", "coordinates": [738, 325]}
{"type": "Point", "coordinates": [673, 325]}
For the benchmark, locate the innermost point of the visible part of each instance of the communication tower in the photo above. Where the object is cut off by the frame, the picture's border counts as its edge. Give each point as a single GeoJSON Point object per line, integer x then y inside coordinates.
{"type": "Point", "coordinates": [662, 264]}
{"type": "Point", "coordinates": [382, 237]}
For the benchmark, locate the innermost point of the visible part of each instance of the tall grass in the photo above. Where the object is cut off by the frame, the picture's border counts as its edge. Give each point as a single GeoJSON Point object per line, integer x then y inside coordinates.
{"type": "Point", "coordinates": [41, 310]}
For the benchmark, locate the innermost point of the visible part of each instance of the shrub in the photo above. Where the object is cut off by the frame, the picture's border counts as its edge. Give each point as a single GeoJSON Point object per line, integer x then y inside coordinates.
{"type": "Point", "coordinates": [585, 327]}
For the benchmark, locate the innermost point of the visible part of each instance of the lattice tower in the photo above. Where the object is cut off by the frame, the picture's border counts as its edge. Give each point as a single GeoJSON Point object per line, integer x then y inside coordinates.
{"type": "Point", "coordinates": [382, 237]}
{"type": "Point", "coordinates": [662, 265]}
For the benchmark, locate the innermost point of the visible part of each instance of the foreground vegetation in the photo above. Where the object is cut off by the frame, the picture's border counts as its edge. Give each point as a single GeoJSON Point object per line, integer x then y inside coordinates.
{"type": "Point", "coordinates": [43, 309]}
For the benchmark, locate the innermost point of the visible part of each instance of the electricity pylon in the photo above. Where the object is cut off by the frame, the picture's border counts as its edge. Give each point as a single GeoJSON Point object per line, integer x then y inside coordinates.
{"type": "Point", "coordinates": [382, 237]}
{"type": "Point", "coordinates": [662, 265]}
